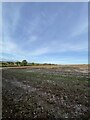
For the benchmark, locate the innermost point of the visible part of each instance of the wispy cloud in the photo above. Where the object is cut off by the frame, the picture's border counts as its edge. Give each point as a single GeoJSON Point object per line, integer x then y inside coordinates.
{"type": "Point", "coordinates": [32, 38]}
{"type": "Point", "coordinates": [36, 30]}
{"type": "Point", "coordinates": [80, 29]}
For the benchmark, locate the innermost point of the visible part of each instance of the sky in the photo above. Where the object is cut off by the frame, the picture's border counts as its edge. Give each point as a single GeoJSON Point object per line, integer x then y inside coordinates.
{"type": "Point", "coordinates": [45, 32]}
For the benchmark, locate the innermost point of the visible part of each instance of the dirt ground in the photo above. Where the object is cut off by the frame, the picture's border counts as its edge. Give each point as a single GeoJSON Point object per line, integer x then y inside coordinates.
{"type": "Point", "coordinates": [45, 92]}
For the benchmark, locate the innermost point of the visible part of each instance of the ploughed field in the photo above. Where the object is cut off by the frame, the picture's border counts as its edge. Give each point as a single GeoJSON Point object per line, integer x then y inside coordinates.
{"type": "Point", "coordinates": [45, 93]}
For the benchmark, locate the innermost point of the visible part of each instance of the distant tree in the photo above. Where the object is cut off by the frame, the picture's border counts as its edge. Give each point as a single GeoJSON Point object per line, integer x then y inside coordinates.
{"type": "Point", "coordinates": [12, 63]}
{"type": "Point", "coordinates": [37, 64]}
{"type": "Point", "coordinates": [4, 64]}
{"type": "Point", "coordinates": [44, 63]}
{"type": "Point", "coordinates": [33, 63]}
{"type": "Point", "coordinates": [9, 63]}
{"type": "Point", "coordinates": [18, 63]}
{"type": "Point", "coordinates": [24, 63]}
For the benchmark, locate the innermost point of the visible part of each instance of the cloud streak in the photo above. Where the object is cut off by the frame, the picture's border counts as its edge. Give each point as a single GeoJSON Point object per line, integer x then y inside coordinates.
{"type": "Point", "coordinates": [36, 30]}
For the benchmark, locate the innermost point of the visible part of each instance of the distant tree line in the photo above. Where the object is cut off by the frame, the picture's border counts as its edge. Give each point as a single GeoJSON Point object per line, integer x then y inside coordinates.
{"type": "Point", "coordinates": [22, 63]}
{"type": "Point", "coordinates": [12, 64]}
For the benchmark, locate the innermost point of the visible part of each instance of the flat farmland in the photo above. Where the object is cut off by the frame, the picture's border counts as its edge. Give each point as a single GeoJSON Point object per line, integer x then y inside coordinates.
{"type": "Point", "coordinates": [45, 92]}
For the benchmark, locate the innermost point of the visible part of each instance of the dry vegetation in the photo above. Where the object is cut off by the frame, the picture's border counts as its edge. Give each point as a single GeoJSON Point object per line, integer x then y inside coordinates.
{"type": "Point", "coordinates": [46, 92]}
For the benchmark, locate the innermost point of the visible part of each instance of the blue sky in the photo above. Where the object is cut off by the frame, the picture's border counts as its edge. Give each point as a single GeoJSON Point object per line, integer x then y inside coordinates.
{"type": "Point", "coordinates": [45, 32]}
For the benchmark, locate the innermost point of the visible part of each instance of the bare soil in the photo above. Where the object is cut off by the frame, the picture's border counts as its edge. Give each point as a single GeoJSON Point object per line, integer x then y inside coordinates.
{"type": "Point", "coordinates": [45, 92]}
